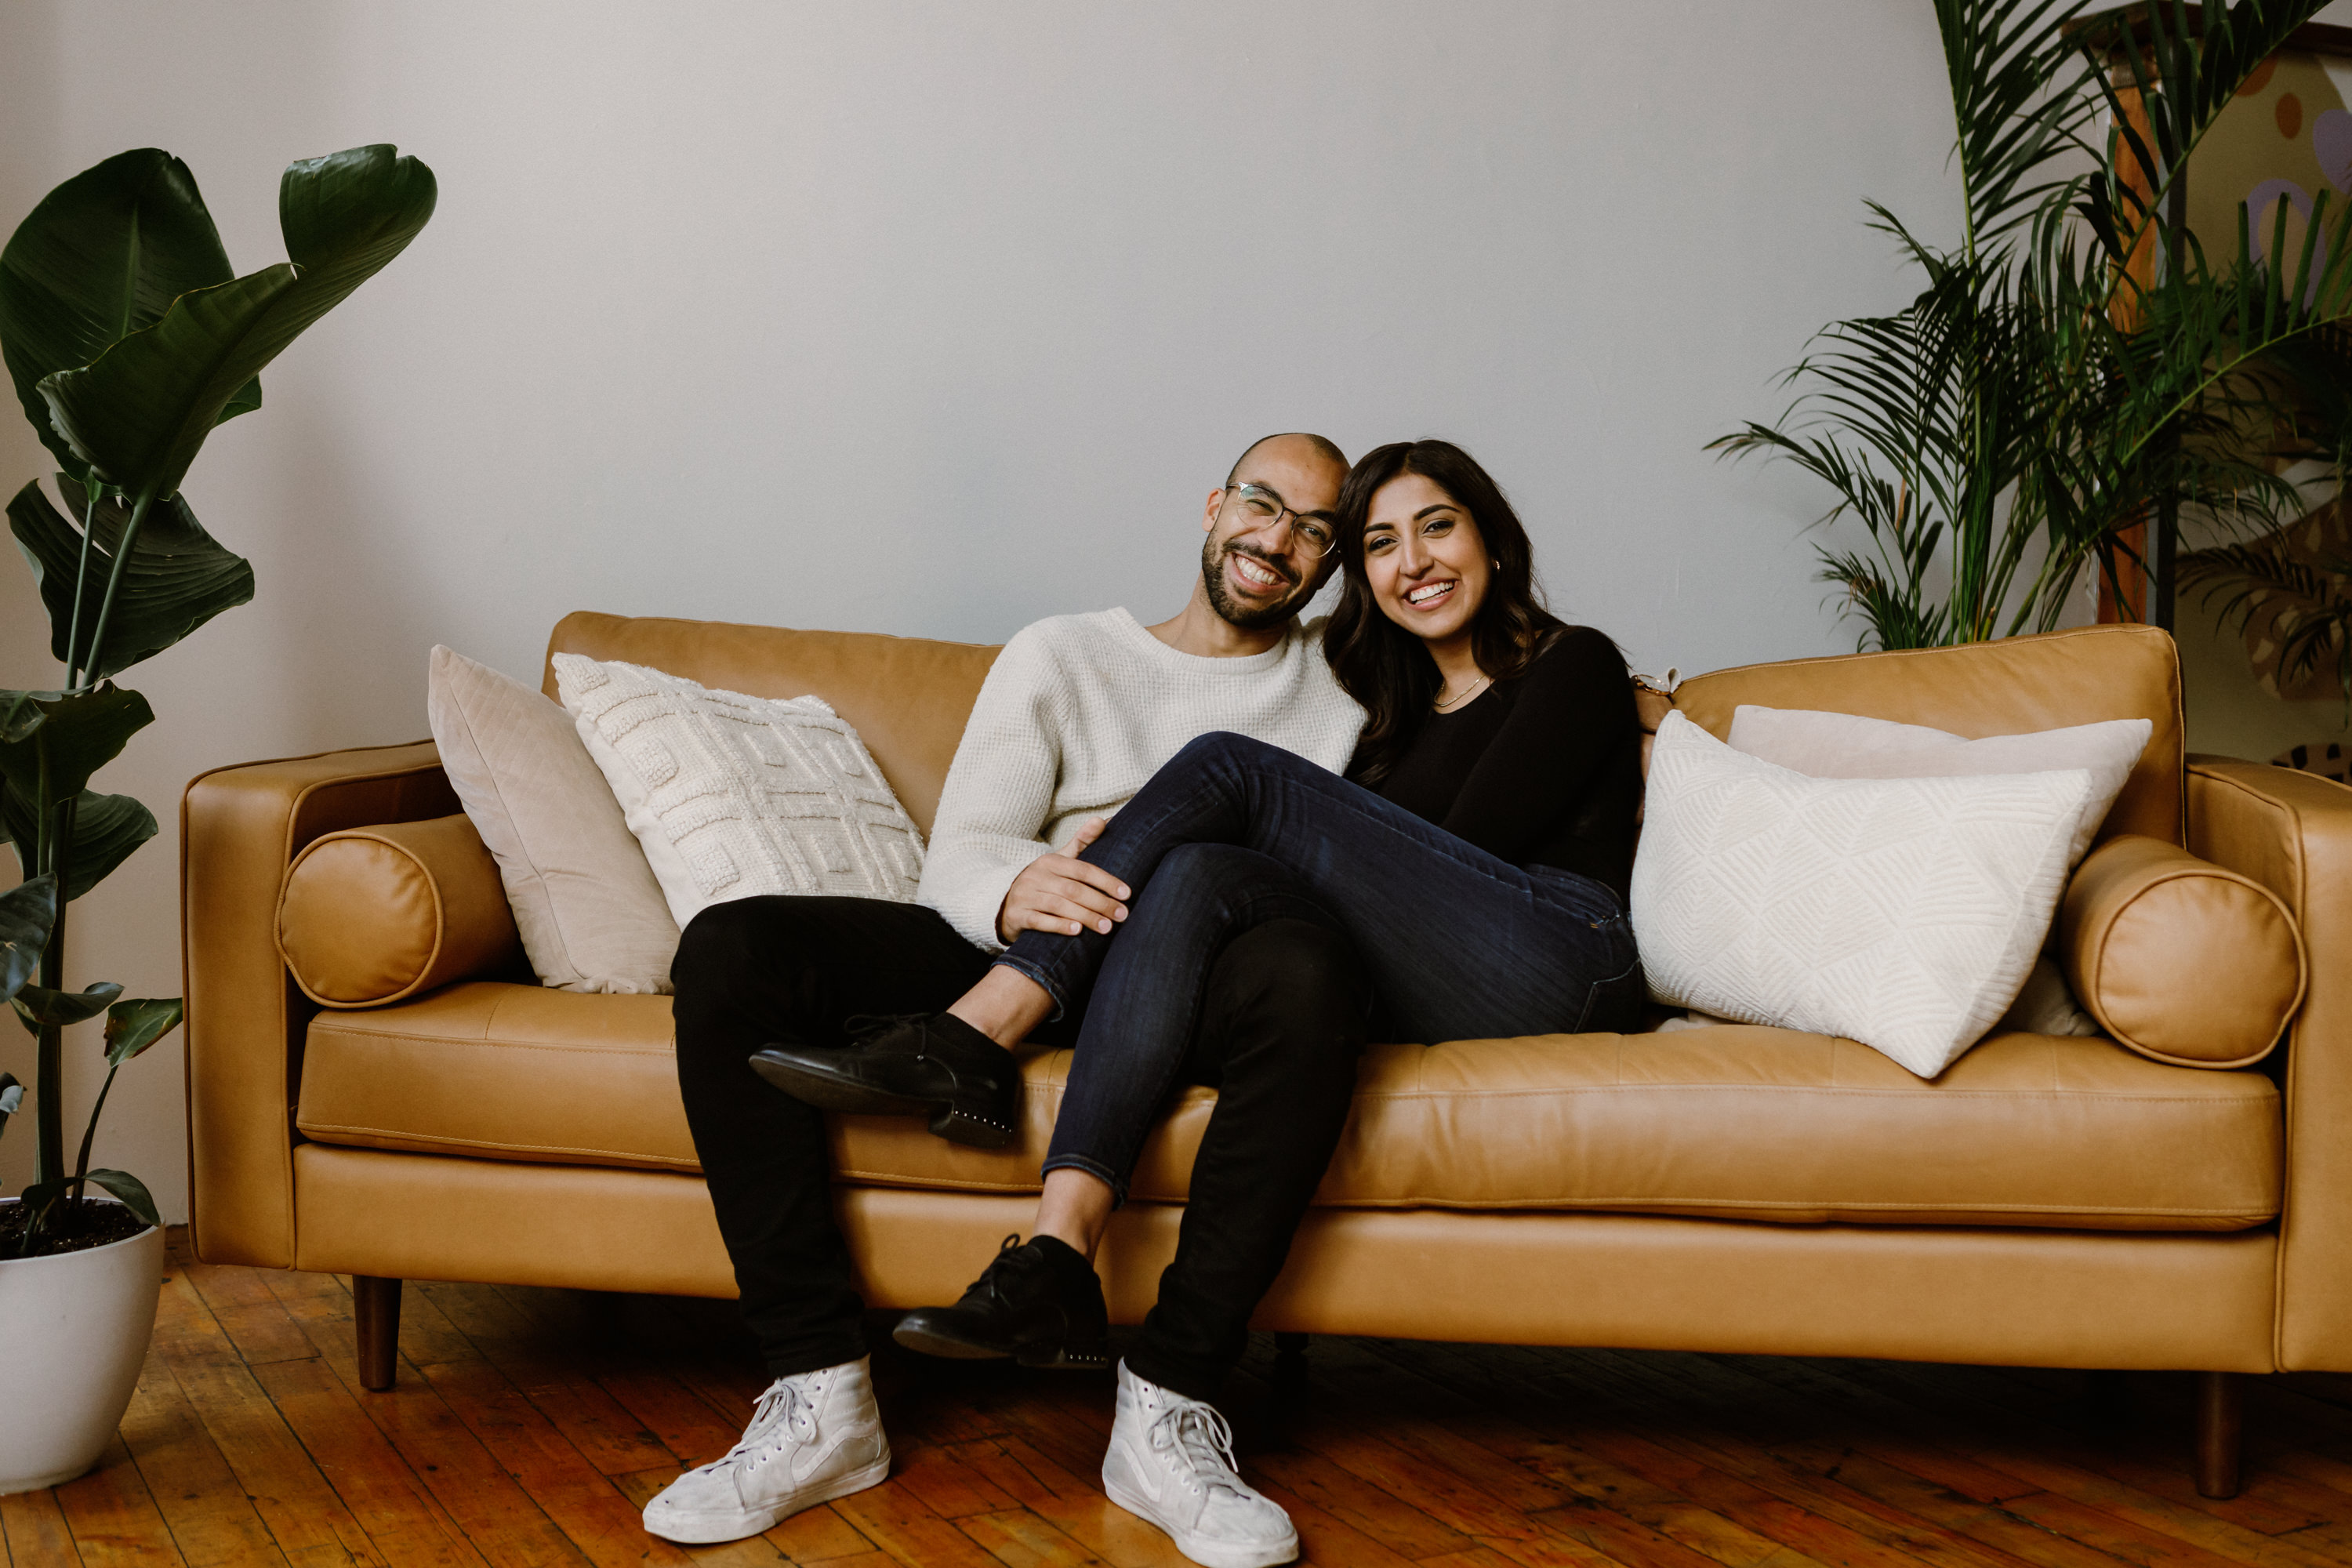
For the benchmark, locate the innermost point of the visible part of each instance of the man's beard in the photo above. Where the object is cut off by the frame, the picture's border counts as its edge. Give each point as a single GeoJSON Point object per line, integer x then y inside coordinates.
{"type": "Point", "coordinates": [1220, 599]}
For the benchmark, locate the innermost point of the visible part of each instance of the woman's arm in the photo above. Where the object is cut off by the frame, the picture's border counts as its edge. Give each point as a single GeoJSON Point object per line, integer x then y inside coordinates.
{"type": "Point", "coordinates": [1573, 713]}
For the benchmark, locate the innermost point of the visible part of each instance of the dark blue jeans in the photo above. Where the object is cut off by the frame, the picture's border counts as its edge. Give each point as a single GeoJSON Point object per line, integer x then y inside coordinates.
{"type": "Point", "coordinates": [1460, 944]}
{"type": "Point", "coordinates": [1148, 997]}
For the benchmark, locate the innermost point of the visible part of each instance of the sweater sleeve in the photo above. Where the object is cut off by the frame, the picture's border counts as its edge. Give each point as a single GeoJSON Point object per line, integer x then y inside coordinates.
{"type": "Point", "coordinates": [999, 792]}
{"type": "Point", "coordinates": [1573, 713]}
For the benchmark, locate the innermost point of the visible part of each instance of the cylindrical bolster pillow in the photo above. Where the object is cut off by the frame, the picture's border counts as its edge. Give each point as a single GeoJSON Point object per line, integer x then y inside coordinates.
{"type": "Point", "coordinates": [376, 914]}
{"type": "Point", "coordinates": [2176, 958]}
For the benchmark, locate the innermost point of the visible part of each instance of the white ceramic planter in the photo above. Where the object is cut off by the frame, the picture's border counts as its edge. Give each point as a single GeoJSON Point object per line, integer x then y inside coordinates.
{"type": "Point", "coordinates": [73, 1333]}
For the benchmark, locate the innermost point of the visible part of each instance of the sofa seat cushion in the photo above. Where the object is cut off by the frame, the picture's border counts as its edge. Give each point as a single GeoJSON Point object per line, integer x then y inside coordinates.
{"type": "Point", "coordinates": [1737, 1121]}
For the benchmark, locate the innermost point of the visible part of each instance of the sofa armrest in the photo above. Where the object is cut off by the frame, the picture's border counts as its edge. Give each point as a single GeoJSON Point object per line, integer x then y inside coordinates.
{"type": "Point", "coordinates": [240, 827]}
{"type": "Point", "coordinates": [2291, 832]}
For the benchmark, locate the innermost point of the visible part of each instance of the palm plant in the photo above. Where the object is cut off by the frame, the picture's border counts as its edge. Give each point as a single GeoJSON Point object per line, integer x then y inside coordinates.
{"type": "Point", "coordinates": [2074, 365]}
{"type": "Point", "coordinates": [128, 338]}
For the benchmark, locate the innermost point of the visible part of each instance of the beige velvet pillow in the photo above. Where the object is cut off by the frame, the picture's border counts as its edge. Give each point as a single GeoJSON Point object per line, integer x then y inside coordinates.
{"type": "Point", "coordinates": [591, 914]}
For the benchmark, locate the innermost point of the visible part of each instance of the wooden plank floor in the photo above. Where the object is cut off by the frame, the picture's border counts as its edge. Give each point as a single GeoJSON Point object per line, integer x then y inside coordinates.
{"type": "Point", "coordinates": [528, 1426]}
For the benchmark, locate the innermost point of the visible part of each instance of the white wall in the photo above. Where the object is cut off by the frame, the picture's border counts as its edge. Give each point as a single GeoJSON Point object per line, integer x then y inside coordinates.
{"type": "Point", "coordinates": [934, 318]}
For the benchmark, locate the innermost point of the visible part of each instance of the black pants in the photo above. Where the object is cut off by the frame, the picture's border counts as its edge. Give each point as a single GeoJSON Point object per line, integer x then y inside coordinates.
{"type": "Point", "coordinates": [1282, 1023]}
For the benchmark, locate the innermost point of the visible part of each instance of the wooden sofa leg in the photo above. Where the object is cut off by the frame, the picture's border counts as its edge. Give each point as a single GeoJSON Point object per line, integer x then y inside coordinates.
{"type": "Point", "coordinates": [377, 1310]}
{"type": "Point", "coordinates": [2221, 1422]}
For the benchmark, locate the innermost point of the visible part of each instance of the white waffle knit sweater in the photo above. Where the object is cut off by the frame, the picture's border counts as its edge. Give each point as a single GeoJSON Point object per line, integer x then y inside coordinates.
{"type": "Point", "coordinates": [1076, 714]}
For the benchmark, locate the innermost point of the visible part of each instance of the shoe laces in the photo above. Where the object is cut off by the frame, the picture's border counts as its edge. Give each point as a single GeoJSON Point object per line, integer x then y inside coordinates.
{"type": "Point", "coordinates": [863, 1029]}
{"type": "Point", "coordinates": [784, 1417]}
{"type": "Point", "coordinates": [1198, 1438]}
{"type": "Point", "coordinates": [990, 1285]}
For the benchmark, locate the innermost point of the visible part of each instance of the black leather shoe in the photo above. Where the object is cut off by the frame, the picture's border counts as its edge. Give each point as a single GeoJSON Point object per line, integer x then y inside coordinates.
{"type": "Point", "coordinates": [1039, 1303]}
{"type": "Point", "coordinates": [920, 1063]}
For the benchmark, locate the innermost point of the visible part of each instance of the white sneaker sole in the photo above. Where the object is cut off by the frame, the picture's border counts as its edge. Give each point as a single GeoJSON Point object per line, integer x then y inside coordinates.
{"type": "Point", "coordinates": [1208, 1553]}
{"type": "Point", "coordinates": [708, 1527]}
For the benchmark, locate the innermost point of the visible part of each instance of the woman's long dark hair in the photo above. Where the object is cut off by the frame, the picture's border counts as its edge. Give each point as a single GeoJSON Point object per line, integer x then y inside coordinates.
{"type": "Point", "coordinates": [1386, 668]}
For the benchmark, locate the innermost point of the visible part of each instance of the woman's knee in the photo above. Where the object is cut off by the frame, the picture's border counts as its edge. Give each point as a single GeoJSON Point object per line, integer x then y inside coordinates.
{"type": "Point", "coordinates": [1225, 746]}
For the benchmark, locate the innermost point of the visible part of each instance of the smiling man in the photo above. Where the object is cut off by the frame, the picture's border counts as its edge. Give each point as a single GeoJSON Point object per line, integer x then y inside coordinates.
{"type": "Point", "coordinates": [1076, 713]}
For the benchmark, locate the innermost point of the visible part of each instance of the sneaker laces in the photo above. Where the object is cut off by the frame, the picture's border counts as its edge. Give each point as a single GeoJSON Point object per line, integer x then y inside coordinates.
{"type": "Point", "coordinates": [1200, 1437]}
{"type": "Point", "coordinates": [783, 1406]}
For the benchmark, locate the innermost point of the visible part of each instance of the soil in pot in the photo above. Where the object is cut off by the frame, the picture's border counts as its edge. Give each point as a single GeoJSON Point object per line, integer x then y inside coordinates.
{"type": "Point", "coordinates": [81, 1227]}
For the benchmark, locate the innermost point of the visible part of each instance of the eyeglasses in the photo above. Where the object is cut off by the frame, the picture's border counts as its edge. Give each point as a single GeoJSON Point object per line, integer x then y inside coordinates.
{"type": "Point", "coordinates": [1254, 507]}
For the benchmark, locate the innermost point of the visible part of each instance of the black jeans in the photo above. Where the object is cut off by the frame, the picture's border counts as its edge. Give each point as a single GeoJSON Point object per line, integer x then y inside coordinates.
{"type": "Point", "coordinates": [1281, 1025]}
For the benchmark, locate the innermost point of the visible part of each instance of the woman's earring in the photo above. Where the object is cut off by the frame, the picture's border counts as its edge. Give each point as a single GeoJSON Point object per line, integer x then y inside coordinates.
{"type": "Point", "coordinates": [1495, 562]}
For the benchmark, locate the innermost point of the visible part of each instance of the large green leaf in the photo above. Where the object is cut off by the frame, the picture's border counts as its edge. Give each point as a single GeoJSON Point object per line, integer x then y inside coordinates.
{"type": "Point", "coordinates": [36, 1005]}
{"type": "Point", "coordinates": [28, 911]}
{"type": "Point", "coordinates": [78, 735]}
{"type": "Point", "coordinates": [107, 828]}
{"type": "Point", "coordinates": [101, 257]}
{"type": "Point", "coordinates": [133, 1026]}
{"type": "Point", "coordinates": [178, 578]}
{"type": "Point", "coordinates": [139, 414]}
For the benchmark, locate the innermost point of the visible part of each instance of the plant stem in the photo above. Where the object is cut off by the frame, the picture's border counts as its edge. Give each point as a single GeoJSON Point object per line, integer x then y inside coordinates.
{"type": "Point", "coordinates": [49, 1090]}
{"type": "Point", "coordinates": [81, 581]}
{"type": "Point", "coordinates": [114, 580]}
{"type": "Point", "coordinates": [89, 1133]}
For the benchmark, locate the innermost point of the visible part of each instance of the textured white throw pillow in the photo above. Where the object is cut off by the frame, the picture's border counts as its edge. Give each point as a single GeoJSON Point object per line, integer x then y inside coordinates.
{"type": "Point", "coordinates": [1849, 746]}
{"type": "Point", "coordinates": [1903, 913]}
{"type": "Point", "coordinates": [733, 795]}
{"type": "Point", "coordinates": [591, 914]}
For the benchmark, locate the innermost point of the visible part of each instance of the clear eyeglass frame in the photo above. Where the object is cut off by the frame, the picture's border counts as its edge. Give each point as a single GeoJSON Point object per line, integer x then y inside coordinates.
{"type": "Point", "coordinates": [1315, 533]}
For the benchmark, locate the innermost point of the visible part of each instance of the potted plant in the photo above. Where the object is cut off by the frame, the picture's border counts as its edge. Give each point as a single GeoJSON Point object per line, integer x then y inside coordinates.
{"type": "Point", "coordinates": [2075, 366]}
{"type": "Point", "coordinates": [128, 338]}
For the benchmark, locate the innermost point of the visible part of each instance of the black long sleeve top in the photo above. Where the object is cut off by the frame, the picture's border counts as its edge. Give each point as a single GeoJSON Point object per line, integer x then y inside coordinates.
{"type": "Point", "coordinates": [1541, 769]}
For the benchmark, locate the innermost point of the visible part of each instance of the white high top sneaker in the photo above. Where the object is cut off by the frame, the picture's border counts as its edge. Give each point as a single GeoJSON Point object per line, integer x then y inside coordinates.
{"type": "Point", "coordinates": [1171, 1461]}
{"type": "Point", "coordinates": [814, 1436]}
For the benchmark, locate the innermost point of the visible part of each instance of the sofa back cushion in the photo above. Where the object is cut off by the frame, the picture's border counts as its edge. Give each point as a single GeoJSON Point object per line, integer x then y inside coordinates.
{"type": "Point", "coordinates": [907, 698]}
{"type": "Point", "coordinates": [2005, 688]}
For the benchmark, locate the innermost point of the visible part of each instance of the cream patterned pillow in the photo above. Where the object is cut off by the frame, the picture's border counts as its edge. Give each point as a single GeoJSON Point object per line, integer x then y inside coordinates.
{"type": "Point", "coordinates": [733, 797]}
{"type": "Point", "coordinates": [1903, 913]}
{"type": "Point", "coordinates": [1849, 746]}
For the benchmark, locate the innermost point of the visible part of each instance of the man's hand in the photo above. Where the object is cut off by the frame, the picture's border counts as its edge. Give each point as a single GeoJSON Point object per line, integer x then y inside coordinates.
{"type": "Point", "coordinates": [1061, 893]}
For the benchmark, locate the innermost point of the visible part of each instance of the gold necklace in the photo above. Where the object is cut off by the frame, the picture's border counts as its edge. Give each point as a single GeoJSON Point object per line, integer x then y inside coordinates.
{"type": "Point", "coordinates": [1445, 702]}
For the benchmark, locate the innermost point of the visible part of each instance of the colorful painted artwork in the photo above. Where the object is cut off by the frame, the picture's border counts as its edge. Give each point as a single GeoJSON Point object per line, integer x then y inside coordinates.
{"type": "Point", "coordinates": [2286, 138]}
{"type": "Point", "coordinates": [2284, 143]}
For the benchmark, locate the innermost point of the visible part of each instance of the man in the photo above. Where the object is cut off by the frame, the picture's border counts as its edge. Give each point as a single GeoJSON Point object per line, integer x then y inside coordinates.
{"type": "Point", "coordinates": [1076, 714]}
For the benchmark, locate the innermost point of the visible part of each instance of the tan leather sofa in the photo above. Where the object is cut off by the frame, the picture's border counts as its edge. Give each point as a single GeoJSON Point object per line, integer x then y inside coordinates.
{"type": "Point", "coordinates": [2049, 1202]}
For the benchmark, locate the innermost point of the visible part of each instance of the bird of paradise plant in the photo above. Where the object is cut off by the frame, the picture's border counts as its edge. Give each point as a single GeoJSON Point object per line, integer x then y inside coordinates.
{"type": "Point", "coordinates": [128, 338]}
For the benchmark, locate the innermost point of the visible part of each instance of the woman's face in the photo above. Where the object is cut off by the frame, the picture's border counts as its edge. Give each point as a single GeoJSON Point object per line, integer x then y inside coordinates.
{"type": "Point", "coordinates": [1424, 558]}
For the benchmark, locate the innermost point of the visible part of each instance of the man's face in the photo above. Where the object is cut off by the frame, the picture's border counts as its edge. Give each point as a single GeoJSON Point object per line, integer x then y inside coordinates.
{"type": "Point", "coordinates": [1259, 573]}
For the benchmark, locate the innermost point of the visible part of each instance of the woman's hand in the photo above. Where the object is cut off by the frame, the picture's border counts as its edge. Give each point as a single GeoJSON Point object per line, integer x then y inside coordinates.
{"type": "Point", "coordinates": [1061, 894]}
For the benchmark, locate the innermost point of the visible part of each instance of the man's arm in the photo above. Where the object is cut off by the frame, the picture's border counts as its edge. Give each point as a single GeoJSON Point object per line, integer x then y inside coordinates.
{"type": "Point", "coordinates": [986, 869]}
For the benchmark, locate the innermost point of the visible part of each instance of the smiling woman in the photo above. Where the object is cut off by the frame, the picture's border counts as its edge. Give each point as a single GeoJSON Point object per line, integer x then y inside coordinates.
{"type": "Point", "coordinates": [1440, 599]}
